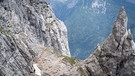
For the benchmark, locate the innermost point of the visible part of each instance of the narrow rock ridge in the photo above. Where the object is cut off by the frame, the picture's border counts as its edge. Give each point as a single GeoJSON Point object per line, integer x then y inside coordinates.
{"type": "Point", "coordinates": [26, 28]}
{"type": "Point", "coordinates": [116, 56]}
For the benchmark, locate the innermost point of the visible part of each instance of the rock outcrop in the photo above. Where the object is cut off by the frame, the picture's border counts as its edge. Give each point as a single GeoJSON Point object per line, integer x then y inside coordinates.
{"type": "Point", "coordinates": [33, 41]}
{"type": "Point", "coordinates": [116, 56]}
{"type": "Point", "coordinates": [26, 28]}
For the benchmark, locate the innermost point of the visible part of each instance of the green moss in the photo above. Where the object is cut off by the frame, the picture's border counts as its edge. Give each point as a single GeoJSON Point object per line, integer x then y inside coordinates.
{"type": "Point", "coordinates": [80, 70]}
{"type": "Point", "coordinates": [70, 60]}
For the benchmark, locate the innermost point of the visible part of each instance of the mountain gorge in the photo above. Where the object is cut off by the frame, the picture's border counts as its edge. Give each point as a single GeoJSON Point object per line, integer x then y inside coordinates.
{"type": "Point", "coordinates": [89, 21]}
{"type": "Point", "coordinates": [33, 42]}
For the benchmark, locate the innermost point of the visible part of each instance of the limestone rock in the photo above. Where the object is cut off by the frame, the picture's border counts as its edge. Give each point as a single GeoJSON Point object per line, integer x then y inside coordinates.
{"type": "Point", "coordinates": [33, 41]}
{"type": "Point", "coordinates": [26, 27]}
{"type": "Point", "coordinates": [116, 56]}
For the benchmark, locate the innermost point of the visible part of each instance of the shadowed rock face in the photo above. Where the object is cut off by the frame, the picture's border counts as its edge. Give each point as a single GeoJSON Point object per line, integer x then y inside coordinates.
{"type": "Point", "coordinates": [116, 56]}
{"type": "Point", "coordinates": [26, 27]}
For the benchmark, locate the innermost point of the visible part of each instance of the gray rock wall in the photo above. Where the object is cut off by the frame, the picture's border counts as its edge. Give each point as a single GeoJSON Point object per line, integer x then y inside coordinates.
{"type": "Point", "coordinates": [29, 27]}
{"type": "Point", "coordinates": [26, 27]}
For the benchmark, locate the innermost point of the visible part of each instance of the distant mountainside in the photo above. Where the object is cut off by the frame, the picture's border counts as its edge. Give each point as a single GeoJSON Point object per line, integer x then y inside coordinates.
{"type": "Point", "coordinates": [89, 21]}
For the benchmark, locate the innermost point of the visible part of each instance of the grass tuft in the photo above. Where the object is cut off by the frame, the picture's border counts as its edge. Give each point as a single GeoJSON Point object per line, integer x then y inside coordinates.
{"type": "Point", "coordinates": [70, 60]}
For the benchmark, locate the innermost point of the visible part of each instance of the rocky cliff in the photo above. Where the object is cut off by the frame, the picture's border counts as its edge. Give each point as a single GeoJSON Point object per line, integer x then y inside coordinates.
{"type": "Point", "coordinates": [26, 28]}
{"type": "Point", "coordinates": [34, 42]}
{"type": "Point", "coordinates": [115, 57]}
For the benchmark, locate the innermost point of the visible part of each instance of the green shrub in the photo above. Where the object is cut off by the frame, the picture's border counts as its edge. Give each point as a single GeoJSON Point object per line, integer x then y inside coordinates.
{"type": "Point", "coordinates": [70, 60]}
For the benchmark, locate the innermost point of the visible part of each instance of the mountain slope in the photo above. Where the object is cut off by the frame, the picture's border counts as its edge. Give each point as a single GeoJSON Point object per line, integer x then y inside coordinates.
{"type": "Point", "coordinates": [115, 57]}
{"type": "Point", "coordinates": [34, 42]}
{"type": "Point", "coordinates": [88, 16]}
{"type": "Point", "coordinates": [26, 27]}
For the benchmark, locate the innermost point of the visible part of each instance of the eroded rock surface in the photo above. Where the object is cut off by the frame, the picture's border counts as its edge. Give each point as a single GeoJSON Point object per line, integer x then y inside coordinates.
{"type": "Point", "coordinates": [31, 35]}
{"type": "Point", "coordinates": [26, 27]}
{"type": "Point", "coordinates": [116, 56]}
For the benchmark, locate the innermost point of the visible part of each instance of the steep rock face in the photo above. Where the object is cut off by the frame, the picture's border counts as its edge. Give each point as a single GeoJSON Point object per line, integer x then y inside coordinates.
{"type": "Point", "coordinates": [29, 30]}
{"type": "Point", "coordinates": [116, 56]}
{"type": "Point", "coordinates": [26, 28]}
